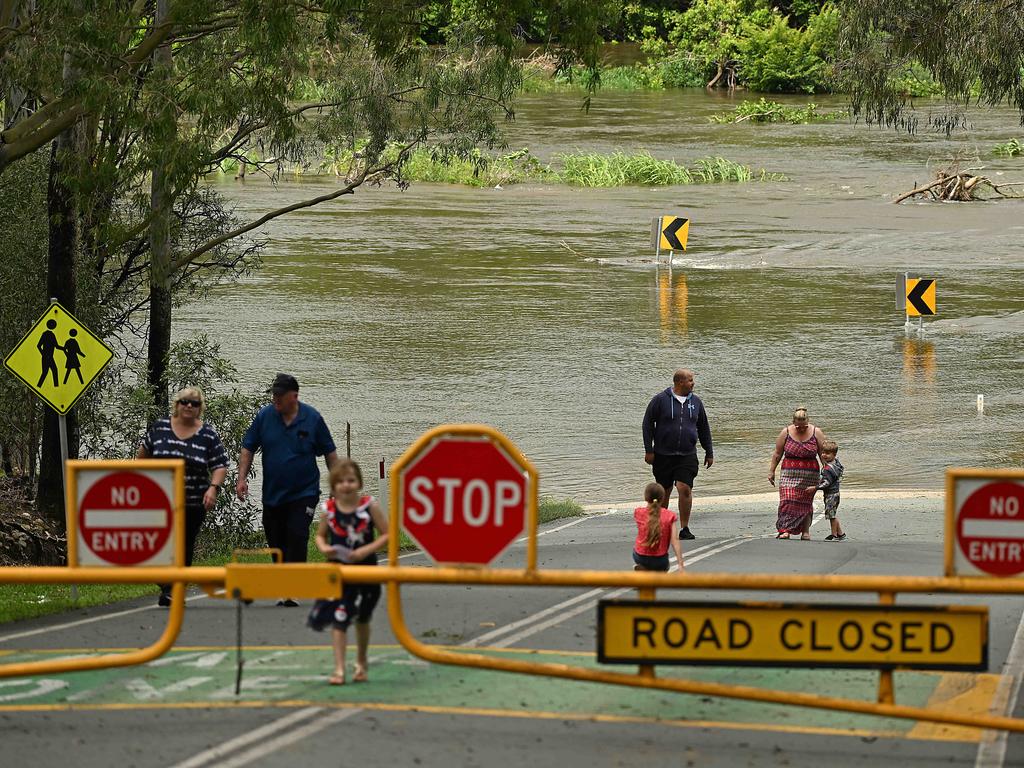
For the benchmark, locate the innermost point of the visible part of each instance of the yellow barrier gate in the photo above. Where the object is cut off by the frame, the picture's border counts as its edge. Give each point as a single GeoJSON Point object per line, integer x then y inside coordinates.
{"type": "Point", "coordinates": [325, 580]}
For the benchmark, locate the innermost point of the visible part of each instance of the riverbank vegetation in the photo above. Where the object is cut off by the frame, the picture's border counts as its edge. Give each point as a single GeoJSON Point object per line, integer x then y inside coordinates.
{"type": "Point", "coordinates": [120, 122]}
{"type": "Point", "coordinates": [579, 169]}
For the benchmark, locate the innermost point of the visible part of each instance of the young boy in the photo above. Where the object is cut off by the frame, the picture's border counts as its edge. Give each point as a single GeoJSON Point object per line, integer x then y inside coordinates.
{"type": "Point", "coordinates": [831, 472]}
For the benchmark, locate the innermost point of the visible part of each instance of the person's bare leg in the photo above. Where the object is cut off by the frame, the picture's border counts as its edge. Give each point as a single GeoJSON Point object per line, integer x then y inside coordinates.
{"type": "Point", "coordinates": [339, 640]}
{"type": "Point", "coordinates": [685, 504]}
{"type": "Point", "coordinates": [362, 651]}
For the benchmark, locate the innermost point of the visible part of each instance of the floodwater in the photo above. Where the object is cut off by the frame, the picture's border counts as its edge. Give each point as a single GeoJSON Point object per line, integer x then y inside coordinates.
{"type": "Point", "coordinates": [541, 310]}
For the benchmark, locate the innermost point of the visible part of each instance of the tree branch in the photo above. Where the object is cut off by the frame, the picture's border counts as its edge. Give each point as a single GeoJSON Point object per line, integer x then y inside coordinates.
{"type": "Point", "coordinates": [348, 189]}
{"type": "Point", "coordinates": [9, 153]}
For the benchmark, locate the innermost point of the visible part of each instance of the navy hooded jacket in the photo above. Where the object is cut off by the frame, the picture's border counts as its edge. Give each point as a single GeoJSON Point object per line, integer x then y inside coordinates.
{"type": "Point", "coordinates": [672, 428]}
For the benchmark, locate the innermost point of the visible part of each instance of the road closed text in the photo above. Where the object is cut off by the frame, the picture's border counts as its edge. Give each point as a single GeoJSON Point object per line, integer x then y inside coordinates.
{"type": "Point", "coordinates": [954, 638]}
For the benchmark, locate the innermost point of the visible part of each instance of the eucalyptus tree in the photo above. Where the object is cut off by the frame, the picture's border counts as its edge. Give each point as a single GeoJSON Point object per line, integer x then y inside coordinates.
{"type": "Point", "coordinates": [147, 98]}
{"type": "Point", "coordinates": [974, 50]}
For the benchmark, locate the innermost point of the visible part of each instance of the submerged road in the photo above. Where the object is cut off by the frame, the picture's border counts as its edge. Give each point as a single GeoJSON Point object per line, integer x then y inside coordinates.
{"type": "Point", "coordinates": [182, 710]}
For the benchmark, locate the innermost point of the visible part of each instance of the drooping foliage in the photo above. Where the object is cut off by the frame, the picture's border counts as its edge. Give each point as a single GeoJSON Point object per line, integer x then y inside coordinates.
{"type": "Point", "coordinates": [973, 49]}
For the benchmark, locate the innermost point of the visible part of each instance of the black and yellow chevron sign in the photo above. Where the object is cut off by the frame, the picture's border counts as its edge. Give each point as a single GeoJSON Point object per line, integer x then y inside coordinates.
{"type": "Point", "coordinates": [670, 233]}
{"type": "Point", "coordinates": [920, 297]}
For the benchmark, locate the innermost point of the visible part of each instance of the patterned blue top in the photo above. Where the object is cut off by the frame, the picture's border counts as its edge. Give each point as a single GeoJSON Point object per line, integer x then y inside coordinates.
{"type": "Point", "coordinates": [830, 476]}
{"type": "Point", "coordinates": [203, 453]}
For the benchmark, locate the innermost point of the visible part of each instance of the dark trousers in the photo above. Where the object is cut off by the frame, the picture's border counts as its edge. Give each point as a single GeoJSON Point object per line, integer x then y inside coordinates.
{"type": "Point", "coordinates": [287, 528]}
{"type": "Point", "coordinates": [194, 519]}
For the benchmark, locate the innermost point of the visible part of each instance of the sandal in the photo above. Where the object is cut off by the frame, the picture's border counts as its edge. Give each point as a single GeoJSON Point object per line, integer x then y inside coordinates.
{"type": "Point", "coordinates": [359, 674]}
{"type": "Point", "coordinates": [805, 537]}
{"type": "Point", "coordinates": [336, 680]}
{"type": "Point", "coordinates": [783, 535]}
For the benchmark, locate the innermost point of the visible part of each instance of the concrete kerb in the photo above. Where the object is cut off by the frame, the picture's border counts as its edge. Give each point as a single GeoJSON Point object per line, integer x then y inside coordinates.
{"type": "Point", "coordinates": [894, 494]}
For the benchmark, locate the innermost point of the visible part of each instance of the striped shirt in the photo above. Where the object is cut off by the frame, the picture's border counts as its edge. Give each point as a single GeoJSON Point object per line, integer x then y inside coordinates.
{"type": "Point", "coordinates": [203, 453]}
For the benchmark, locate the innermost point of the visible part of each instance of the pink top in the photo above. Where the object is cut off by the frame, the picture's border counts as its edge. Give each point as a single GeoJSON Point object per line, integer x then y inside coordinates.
{"type": "Point", "coordinates": [667, 519]}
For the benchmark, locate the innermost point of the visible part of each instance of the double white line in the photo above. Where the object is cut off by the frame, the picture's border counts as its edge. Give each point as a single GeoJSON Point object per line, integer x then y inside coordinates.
{"type": "Point", "coordinates": [556, 614]}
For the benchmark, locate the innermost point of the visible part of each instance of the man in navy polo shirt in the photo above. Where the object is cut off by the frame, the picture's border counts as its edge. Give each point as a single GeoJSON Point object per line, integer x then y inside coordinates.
{"type": "Point", "coordinates": [292, 435]}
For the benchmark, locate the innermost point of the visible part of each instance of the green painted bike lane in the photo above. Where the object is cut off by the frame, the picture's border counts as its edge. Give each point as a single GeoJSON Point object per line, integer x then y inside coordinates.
{"type": "Point", "coordinates": [297, 675]}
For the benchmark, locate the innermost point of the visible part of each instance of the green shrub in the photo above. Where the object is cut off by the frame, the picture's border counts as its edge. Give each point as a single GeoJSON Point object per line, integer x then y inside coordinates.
{"type": "Point", "coordinates": [781, 59]}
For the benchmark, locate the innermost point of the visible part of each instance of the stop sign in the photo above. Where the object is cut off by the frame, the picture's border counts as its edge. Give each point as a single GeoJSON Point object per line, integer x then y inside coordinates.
{"type": "Point", "coordinates": [990, 528]}
{"type": "Point", "coordinates": [125, 518]}
{"type": "Point", "coordinates": [463, 499]}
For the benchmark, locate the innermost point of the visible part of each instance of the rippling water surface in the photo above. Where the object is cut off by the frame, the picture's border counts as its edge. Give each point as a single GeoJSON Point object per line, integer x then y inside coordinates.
{"type": "Point", "coordinates": [541, 310]}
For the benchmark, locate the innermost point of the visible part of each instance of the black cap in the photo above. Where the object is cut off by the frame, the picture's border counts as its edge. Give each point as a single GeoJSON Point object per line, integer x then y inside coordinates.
{"type": "Point", "coordinates": [283, 382]}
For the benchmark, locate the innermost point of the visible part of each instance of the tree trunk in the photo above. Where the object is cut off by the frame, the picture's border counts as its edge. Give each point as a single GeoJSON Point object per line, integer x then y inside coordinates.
{"type": "Point", "coordinates": [161, 259]}
{"type": "Point", "coordinates": [60, 284]}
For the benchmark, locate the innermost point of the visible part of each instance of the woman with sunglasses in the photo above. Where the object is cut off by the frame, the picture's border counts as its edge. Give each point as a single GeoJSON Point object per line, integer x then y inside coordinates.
{"type": "Point", "coordinates": [185, 436]}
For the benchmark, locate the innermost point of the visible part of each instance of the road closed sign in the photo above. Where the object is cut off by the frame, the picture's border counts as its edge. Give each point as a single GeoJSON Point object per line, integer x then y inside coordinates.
{"type": "Point", "coordinates": [126, 513]}
{"type": "Point", "coordinates": [791, 635]}
{"type": "Point", "coordinates": [985, 523]}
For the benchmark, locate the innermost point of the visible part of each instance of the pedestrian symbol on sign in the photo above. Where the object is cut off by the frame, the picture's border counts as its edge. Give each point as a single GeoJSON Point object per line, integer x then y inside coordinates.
{"type": "Point", "coordinates": [55, 352]}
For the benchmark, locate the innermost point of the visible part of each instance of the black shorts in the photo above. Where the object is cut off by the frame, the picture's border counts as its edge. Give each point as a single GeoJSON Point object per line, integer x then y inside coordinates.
{"type": "Point", "coordinates": [670, 469]}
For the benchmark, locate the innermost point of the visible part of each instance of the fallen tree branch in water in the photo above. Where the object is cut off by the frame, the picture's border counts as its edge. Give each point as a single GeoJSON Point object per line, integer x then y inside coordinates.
{"type": "Point", "coordinates": [960, 186]}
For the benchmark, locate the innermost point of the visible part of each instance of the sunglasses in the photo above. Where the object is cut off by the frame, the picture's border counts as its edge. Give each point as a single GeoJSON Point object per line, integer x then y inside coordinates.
{"type": "Point", "coordinates": [187, 401]}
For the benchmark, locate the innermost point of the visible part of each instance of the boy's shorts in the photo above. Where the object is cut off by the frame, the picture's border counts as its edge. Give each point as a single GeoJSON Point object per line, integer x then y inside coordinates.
{"type": "Point", "coordinates": [831, 506]}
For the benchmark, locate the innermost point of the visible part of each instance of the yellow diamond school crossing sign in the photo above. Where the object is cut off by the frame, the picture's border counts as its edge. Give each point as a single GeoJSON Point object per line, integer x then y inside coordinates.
{"type": "Point", "coordinates": [58, 358]}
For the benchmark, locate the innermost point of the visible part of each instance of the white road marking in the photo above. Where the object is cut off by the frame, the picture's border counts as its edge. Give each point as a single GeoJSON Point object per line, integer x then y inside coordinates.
{"type": "Point", "coordinates": [992, 747]}
{"type": "Point", "coordinates": [495, 633]}
{"type": "Point", "coordinates": [595, 594]}
{"type": "Point", "coordinates": [228, 747]}
{"type": "Point", "coordinates": [260, 751]}
{"type": "Point", "coordinates": [80, 622]}
{"type": "Point", "coordinates": [577, 521]}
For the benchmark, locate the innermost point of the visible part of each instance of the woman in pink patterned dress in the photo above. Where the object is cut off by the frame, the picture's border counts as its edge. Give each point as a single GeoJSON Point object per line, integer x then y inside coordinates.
{"type": "Point", "coordinates": [798, 447]}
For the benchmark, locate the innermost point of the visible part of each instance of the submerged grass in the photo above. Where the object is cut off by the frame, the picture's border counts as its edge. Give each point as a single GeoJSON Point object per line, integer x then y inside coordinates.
{"type": "Point", "coordinates": [588, 169]}
{"type": "Point", "coordinates": [1011, 148]}
{"type": "Point", "coordinates": [764, 111]}
{"type": "Point", "coordinates": [579, 169]}
{"type": "Point", "coordinates": [617, 169]}
{"type": "Point", "coordinates": [28, 601]}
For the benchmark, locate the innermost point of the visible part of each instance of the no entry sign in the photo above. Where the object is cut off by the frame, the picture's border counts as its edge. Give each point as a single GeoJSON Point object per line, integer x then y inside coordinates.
{"type": "Point", "coordinates": [465, 494]}
{"type": "Point", "coordinates": [986, 522]}
{"type": "Point", "coordinates": [125, 513]}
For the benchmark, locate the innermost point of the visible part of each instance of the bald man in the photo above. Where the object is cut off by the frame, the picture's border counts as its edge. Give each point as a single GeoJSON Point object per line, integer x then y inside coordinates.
{"type": "Point", "coordinates": [674, 422]}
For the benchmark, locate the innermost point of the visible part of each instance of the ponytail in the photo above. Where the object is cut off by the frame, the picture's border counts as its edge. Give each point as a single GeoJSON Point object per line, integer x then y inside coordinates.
{"type": "Point", "coordinates": [654, 495]}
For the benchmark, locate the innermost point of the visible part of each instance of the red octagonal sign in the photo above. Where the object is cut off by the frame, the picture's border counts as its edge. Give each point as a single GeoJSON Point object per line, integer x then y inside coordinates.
{"type": "Point", "coordinates": [463, 500]}
{"type": "Point", "coordinates": [990, 528]}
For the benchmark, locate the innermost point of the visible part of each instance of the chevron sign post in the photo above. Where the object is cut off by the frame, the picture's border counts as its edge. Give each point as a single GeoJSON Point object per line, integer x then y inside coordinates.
{"type": "Point", "coordinates": [669, 234]}
{"type": "Point", "coordinates": [917, 297]}
{"type": "Point", "coordinates": [920, 297]}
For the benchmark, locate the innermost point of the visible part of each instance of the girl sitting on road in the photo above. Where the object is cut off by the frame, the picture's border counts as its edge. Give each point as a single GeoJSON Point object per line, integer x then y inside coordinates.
{"type": "Point", "coordinates": [656, 528]}
{"type": "Point", "coordinates": [346, 535]}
